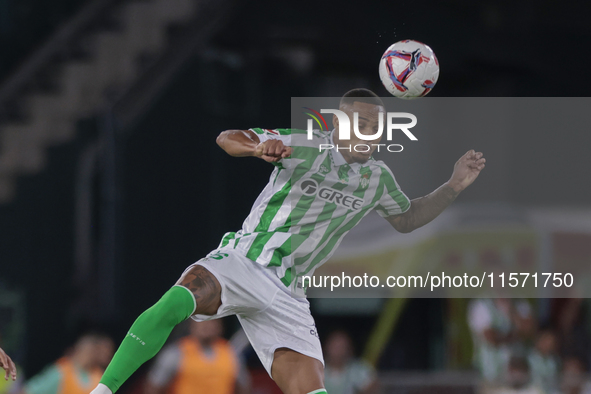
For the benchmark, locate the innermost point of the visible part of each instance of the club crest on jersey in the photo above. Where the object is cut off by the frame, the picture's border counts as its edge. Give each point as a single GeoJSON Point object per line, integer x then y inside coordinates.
{"type": "Point", "coordinates": [364, 181]}
{"type": "Point", "coordinates": [323, 170]}
{"type": "Point", "coordinates": [364, 178]}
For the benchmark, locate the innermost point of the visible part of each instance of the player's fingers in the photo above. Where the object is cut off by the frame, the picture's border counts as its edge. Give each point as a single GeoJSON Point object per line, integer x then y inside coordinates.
{"type": "Point", "coordinates": [478, 155]}
{"type": "Point", "coordinates": [476, 163]}
{"type": "Point", "coordinates": [287, 152]}
{"type": "Point", "coordinates": [12, 369]}
{"type": "Point", "coordinates": [274, 148]}
{"type": "Point", "coordinates": [469, 154]}
{"type": "Point", "coordinates": [270, 147]}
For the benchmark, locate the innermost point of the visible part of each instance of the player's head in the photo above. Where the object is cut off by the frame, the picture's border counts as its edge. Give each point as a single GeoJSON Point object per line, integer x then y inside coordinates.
{"type": "Point", "coordinates": [369, 107]}
{"type": "Point", "coordinates": [206, 331]}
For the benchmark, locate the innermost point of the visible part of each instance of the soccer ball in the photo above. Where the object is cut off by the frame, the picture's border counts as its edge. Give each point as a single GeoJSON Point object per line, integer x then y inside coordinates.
{"type": "Point", "coordinates": [409, 69]}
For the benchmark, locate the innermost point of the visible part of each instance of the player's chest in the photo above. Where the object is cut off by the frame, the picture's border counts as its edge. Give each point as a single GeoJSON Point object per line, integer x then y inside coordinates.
{"type": "Point", "coordinates": [342, 185]}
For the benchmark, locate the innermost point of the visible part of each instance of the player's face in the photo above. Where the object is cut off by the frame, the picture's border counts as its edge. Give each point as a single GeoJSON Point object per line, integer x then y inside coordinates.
{"type": "Point", "coordinates": [368, 123]}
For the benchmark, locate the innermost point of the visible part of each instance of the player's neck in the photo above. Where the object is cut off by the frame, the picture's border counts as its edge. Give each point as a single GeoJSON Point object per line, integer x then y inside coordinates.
{"type": "Point", "coordinates": [346, 155]}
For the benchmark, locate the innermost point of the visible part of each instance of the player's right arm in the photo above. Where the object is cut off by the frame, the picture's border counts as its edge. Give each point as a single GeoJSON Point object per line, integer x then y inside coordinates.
{"type": "Point", "coordinates": [243, 143]}
{"type": "Point", "coordinates": [8, 365]}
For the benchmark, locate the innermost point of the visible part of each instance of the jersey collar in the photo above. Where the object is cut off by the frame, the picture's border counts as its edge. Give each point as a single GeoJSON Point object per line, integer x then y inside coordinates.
{"type": "Point", "coordinates": [338, 159]}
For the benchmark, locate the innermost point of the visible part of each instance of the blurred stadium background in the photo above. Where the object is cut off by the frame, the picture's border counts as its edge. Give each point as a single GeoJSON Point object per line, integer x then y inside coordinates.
{"type": "Point", "coordinates": [111, 182]}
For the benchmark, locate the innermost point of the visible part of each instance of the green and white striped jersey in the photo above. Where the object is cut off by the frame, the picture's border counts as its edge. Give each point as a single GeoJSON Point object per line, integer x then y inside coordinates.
{"type": "Point", "coordinates": [313, 199]}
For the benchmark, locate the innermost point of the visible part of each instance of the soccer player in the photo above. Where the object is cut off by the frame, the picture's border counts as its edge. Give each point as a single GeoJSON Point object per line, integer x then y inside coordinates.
{"type": "Point", "coordinates": [313, 198]}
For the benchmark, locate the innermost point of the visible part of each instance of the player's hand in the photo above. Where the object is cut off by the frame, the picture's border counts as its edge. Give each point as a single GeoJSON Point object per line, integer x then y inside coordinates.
{"type": "Point", "coordinates": [8, 365]}
{"type": "Point", "coordinates": [466, 170]}
{"type": "Point", "coordinates": [272, 151]}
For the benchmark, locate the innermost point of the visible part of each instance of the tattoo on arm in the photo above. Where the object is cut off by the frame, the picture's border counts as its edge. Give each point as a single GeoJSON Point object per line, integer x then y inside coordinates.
{"type": "Point", "coordinates": [205, 288]}
{"type": "Point", "coordinates": [424, 209]}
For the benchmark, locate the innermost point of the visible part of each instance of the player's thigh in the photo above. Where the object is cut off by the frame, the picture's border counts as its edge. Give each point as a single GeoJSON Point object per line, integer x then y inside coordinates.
{"type": "Point", "coordinates": [296, 373]}
{"type": "Point", "coordinates": [205, 288]}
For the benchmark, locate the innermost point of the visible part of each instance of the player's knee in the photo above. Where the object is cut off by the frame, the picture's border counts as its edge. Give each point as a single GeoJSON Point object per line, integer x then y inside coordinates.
{"type": "Point", "coordinates": [205, 288]}
{"type": "Point", "coordinates": [176, 305]}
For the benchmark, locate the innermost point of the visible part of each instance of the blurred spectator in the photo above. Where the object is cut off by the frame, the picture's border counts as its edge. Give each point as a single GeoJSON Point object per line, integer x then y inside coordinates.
{"type": "Point", "coordinates": [568, 317]}
{"type": "Point", "coordinates": [544, 362]}
{"type": "Point", "coordinates": [78, 372]}
{"type": "Point", "coordinates": [499, 327]}
{"type": "Point", "coordinates": [202, 362]}
{"type": "Point", "coordinates": [105, 348]}
{"type": "Point", "coordinates": [518, 379]}
{"type": "Point", "coordinates": [574, 380]}
{"type": "Point", "coordinates": [344, 374]}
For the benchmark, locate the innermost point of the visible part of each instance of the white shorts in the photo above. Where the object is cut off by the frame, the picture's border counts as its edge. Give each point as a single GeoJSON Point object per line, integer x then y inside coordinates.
{"type": "Point", "coordinates": [269, 315]}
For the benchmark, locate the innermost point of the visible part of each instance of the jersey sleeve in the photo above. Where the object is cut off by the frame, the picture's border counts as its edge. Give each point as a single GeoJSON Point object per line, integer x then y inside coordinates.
{"type": "Point", "coordinates": [393, 201]}
{"type": "Point", "coordinates": [277, 134]}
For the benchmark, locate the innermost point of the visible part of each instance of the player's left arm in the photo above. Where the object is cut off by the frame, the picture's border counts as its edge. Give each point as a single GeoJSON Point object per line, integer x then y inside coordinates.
{"type": "Point", "coordinates": [424, 209]}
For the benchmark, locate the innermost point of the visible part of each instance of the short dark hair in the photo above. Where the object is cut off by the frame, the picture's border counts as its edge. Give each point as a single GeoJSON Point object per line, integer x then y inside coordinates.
{"type": "Point", "coordinates": [362, 95]}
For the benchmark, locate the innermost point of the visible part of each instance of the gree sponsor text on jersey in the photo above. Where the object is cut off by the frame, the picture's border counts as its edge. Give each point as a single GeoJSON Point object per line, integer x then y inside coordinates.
{"type": "Point", "coordinates": [310, 187]}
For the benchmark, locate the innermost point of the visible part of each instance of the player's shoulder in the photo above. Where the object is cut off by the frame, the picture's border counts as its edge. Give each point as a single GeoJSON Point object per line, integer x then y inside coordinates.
{"type": "Point", "coordinates": [380, 166]}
